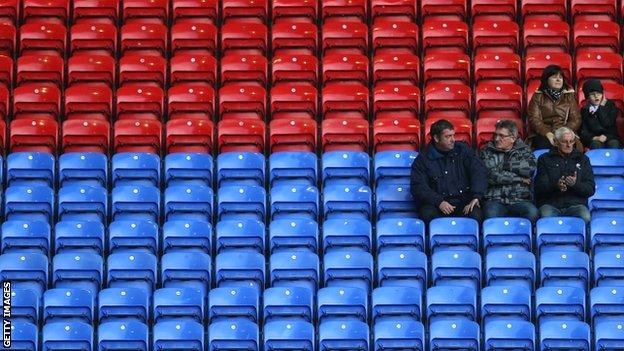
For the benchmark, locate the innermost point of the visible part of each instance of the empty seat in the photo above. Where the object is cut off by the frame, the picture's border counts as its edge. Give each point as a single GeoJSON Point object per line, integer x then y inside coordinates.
{"type": "Point", "coordinates": [288, 304]}
{"type": "Point", "coordinates": [400, 134]}
{"type": "Point", "coordinates": [242, 102]}
{"type": "Point", "coordinates": [123, 305]}
{"type": "Point", "coordinates": [78, 236]}
{"type": "Point", "coordinates": [117, 335]}
{"type": "Point", "coordinates": [96, 70]}
{"type": "Point", "coordinates": [294, 269]}
{"type": "Point", "coordinates": [567, 268]}
{"type": "Point", "coordinates": [289, 234]}
{"type": "Point", "coordinates": [78, 270]}
{"type": "Point", "coordinates": [144, 39]}
{"type": "Point", "coordinates": [395, 102]}
{"type": "Point", "coordinates": [140, 102]}
{"type": "Point", "coordinates": [129, 235]}
{"type": "Point", "coordinates": [244, 201]}
{"type": "Point", "coordinates": [237, 234]}
{"type": "Point", "coordinates": [517, 334]}
{"type": "Point", "coordinates": [347, 334]}
{"type": "Point", "coordinates": [606, 234]}
{"type": "Point", "coordinates": [503, 234]}
{"type": "Point", "coordinates": [596, 36]}
{"type": "Point", "coordinates": [608, 335]}
{"type": "Point", "coordinates": [68, 304]}
{"type": "Point", "coordinates": [193, 37]}
{"type": "Point", "coordinates": [244, 38]}
{"type": "Point", "coordinates": [135, 169]}
{"type": "Point", "coordinates": [461, 334]}
{"type": "Point", "coordinates": [600, 65]}
{"type": "Point", "coordinates": [199, 70]}
{"type": "Point", "coordinates": [454, 10]}
{"type": "Point", "coordinates": [83, 203]}
{"type": "Point", "coordinates": [67, 336]}
{"type": "Point", "coordinates": [454, 233]}
{"type": "Point", "coordinates": [606, 304]}
{"type": "Point", "coordinates": [25, 236]}
{"type": "Point", "coordinates": [42, 39]}
{"type": "Point", "coordinates": [402, 267]}
{"type": "Point", "coordinates": [447, 100]}
{"type": "Point", "coordinates": [347, 201]}
{"type": "Point", "coordinates": [175, 334]}
{"type": "Point", "coordinates": [44, 70]}
{"type": "Point", "coordinates": [338, 105]}
{"type": "Point", "coordinates": [347, 233]}
{"type": "Point", "coordinates": [397, 68]}
{"type": "Point", "coordinates": [294, 38]}
{"type": "Point", "coordinates": [6, 72]}
{"type": "Point", "coordinates": [301, 69]}
{"type": "Point", "coordinates": [345, 167]}
{"type": "Point", "coordinates": [24, 335]}
{"type": "Point", "coordinates": [608, 267]}
{"type": "Point", "coordinates": [560, 234]}
{"type": "Point", "coordinates": [293, 168]}
{"type": "Point", "coordinates": [393, 167]}
{"type": "Point", "coordinates": [497, 67]}
{"type": "Point", "coordinates": [340, 10]}
{"type": "Point", "coordinates": [298, 134]}
{"type": "Point", "coordinates": [348, 268]}
{"type": "Point", "coordinates": [240, 168]}
{"type": "Point", "coordinates": [597, 11]}
{"type": "Point", "coordinates": [396, 303]}
{"type": "Point", "coordinates": [606, 163]}
{"type": "Point", "coordinates": [142, 11]}
{"type": "Point", "coordinates": [294, 201]}
{"type": "Point", "coordinates": [342, 303]}
{"type": "Point", "coordinates": [446, 68]}
{"type": "Point", "coordinates": [499, 101]}
{"type": "Point", "coordinates": [189, 135]}
{"type": "Point", "coordinates": [343, 68]}
{"type": "Point", "coordinates": [294, 101]}
{"type": "Point", "coordinates": [451, 303]}
{"type": "Point", "coordinates": [192, 10]}
{"type": "Point", "coordinates": [233, 335]}
{"type": "Point", "coordinates": [286, 335]}
{"type": "Point", "coordinates": [293, 11]}
{"type": "Point", "coordinates": [559, 303]}
{"type": "Point", "coordinates": [344, 38]}
{"type": "Point", "coordinates": [547, 36]}
{"type": "Point", "coordinates": [188, 202]}
{"type": "Point", "coordinates": [8, 37]}
{"type": "Point", "coordinates": [244, 70]}
{"type": "Point", "coordinates": [495, 37]}
{"type": "Point", "coordinates": [452, 267]}
{"type": "Point", "coordinates": [37, 101]}
{"type": "Point", "coordinates": [395, 201]}
{"type": "Point", "coordinates": [240, 268]}
{"type": "Point", "coordinates": [104, 11]}
{"type": "Point", "coordinates": [135, 202]}
{"type": "Point", "coordinates": [27, 271]}
{"type": "Point", "coordinates": [241, 135]}
{"type": "Point", "coordinates": [132, 269]}
{"type": "Point", "coordinates": [172, 303]}
{"type": "Point", "coordinates": [398, 233]}
{"type": "Point", "coordinates": [83, 168]}
{"type": "Point", "coordinates": [32, 203]}
{"type": "Point", "coordinates": [191, 101]}
{"type": "Point", "coordinates": [142, 70]}
{"type": "Point", "coordinates": [91, 38]}
{"type": "Point", "coordinates": [186, 270]}
{"type": "Point", "coordinates": [393, 37]}
{"type": "Point", "coordinates": [187, 235]}
{"type": "Point", "coordinates": [505, 303]}
{"type": "Point", "coordinates": [345, 135]}
{"type": "Point", "coordinates": [30, 168]}
{"type": "Point", "coordinates": [537, 10]}
{"type": "Point", "coordinates": [188, 169]}
{"type": "Point", "coordinates": [607, 200]}
{"type": "Point", "coordinates": [85, 136]}
{"type": "Point", "coordinates": [444, 36]}
{"type": "Point", "coordinates": [564, 335]}
{"type": "Point", "coordinates": [229, 303]}
{"type": "Point", "coordinates": [510, 268]}
{"type": "Point", "coordinates": [137, 136]}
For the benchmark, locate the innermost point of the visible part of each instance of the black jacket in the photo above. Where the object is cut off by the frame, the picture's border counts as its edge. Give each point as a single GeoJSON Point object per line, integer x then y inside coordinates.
{"type": "Point", "coordinates": [551, 166]}
{"type": "Point", "coordinates": [456, 177]}
{"type": "Point", "coordinates": [602, 122]}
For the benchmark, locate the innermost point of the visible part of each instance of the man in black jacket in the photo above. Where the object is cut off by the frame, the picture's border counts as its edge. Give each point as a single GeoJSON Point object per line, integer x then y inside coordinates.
{"type": "Point", "coordinates": [565, 179]}
{"type": "Point", "coordinates": [447, 178]}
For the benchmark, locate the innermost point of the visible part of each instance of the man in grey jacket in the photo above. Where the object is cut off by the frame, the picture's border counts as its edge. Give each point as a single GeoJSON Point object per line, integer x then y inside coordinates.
{"type": "Point", "coordinates": [510, 164]}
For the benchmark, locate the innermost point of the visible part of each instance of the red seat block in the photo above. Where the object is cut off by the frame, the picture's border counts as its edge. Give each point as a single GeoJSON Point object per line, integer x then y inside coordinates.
{"type": "Point", "coordinates": [345, 134]}
{"type": "Point", "coordinates": [244, 39]}
{"type": "Point", "coordinates": [394, 10]}
{"type": "Point", "coordinates": [146, 11]}
{"type": "Point", "coordinates": [191, 101]}
{"type": "Point", "coordinates": [295, 69]}
{"type": "Point", "coordinates": [395, 37]}
{"type": "Point", "coordinates": [594, 10]}
{"type": "Point", "coordinates": [142, 70]}
{"type": "Point", "coordinates": [89, 102]}
{"type": "Point", "coordinates": [196, 38]}
{"type": "Point", "coordinates": [96, 11]}
{"type": "Point", "coordinates": [45, 11]}
{"type": "Point", "coordinates": [345, 69]}
{"type": "Point", "coordinates": [10, 12]}
{"type": "Point", "coordinates": [596, 36]}
{"type": "Point", "coordinates": [296, 134]}
{"type": "Point", "coordinates": [195, 11]}
{"type": "Point", "coordinates": [244, 70]}
{"type": "Point", "coordinates": [43, 39]}
{"type": "Point", "coordinates": [8, 39]}
{"type": "Point", "coordinates": [241, 135]}
{"type": "Point", "coordinates": [445, 37]}
{"type": "Point", "coordinates": [534, 65]}
{"type": "Point", "coordinates": [242, 102]}
{"type": "Point", "coordinates": [189, 135]}
{"type": "Point", "coordinates": [138, 135]}
{"type": "Point", "coordinates": [295, 38]}
{"type": "Point", "coordinates": [3, 137]}
{"type": "Point", "coordinates": [344, 11]}
{"type": "Point", "coordinates": [399, 69]}
{"type": "Point", "coordinates": [144, 39]}
{"type": "Point", "coordinates": [292, 11]}
{"type": "Point", "coordinates": [540, 10]}
{"type": "Point", "coordinates": [486, 126]}
{"type": "Point", "coordinates": [447, 100]}
{"type": "Point", "coordinates": [345, 38]}
{"type": "Point", "coordinates": [41, 69]}
{"type": "Point", "coordinates": [498, 10]}
{"type": "Point", "coordinates": [396, 134]}
{"type": "Point", "coordinates": [33, 135]}
{"type": "Point", "coordinates": [495, 37]}
{"type": "Point", "coordinates": [549, 36]}
{"type": "Point", "coordinates": [500, 68]}
{"type": "Point", "coordinates": [140, 103]}
{"type": "Point", "coordinates": [36, 99]}
{"type": "Point", "coordinates": [447, 10]}
{"type": "Point", "coordinates": [4, 102]}
{"type": "Point", "coordinates": [463, 128]}
{"type": "Point", "coordinates": [94, 70]}
{"type": "Point", "coordinates": [85, 135]}
{"type": "Point", "coordinates": [396, 101]}
{"type": "Point", "coordinates": [294, 102]}
{"type": "Point", "coordinates": [349, 101]}
{"type": "Point", "coordinates": [252, 11]}
{"type": "Point", "coordinates": [448, 68]}
{"type": "Point", "coordinates": [605, 66]}
{"type": "Point", "coordinates": [6, 71]}
{"type": "Point", "coordinates": [503, 101]}
{"type": "Point", "coordinates": [191, 68]}
{"type": "Point", "coordinates": [93, 39]}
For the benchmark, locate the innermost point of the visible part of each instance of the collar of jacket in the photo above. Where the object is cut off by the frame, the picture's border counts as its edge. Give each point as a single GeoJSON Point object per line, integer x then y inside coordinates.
{"type": "Point", "coordinates": [575, 154]}
{"type": "Point", "coordinates": [518, 144]}
{"type": "Point", "coordinates": [434, 154]}
{"type": "Point", "coordinates": [565, 91]}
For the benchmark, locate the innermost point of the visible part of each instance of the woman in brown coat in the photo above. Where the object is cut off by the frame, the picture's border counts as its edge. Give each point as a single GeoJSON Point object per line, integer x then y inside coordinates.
{"type": "Point", "coordinates": [552, 106]}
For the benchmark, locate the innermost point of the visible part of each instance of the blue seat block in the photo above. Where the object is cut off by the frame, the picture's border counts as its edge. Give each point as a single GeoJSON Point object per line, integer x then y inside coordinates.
{"type": "Point", "coordinates": [451, 303]}
{"type": "Point", "coordinates": [393, 167]}
{"type": "Point", "coordinates": [178, 335]}
{"type": "Point", "coordinates": [456, 267]}
{"type": "Point", "coordinates": [123, 335]}
{"type": "Point", "coordinates": [347, 201]}
{"type": "Point", "coordinates": [507, 233]}
{"type": "Point", "coordinates": [29, 203]}
{"type": "Point", "coordinates": [454, 334]}
{"type": "Point", "coordinates": [560, 234]}
{"type": "Point", "coordinates": [606, 234]}
{"type": "Point", "coordinates": [123, 304]}
{"type": "Point", "coordinates": [186, 202]}
{"type": "Point", "coordinates": [348, 268]}
{"type": "Point", "coordinates": [510, 268]}
{"type": "Point", "coordinates": [64, 336]}
{"type": "Point", "coordinates": [135, 168]}
{"type": "Point", "coordinates": [609, 335]}
{"type": "Point", "coordinates": [187, 235]}
{"type": "Point", "coordinates": [402, 335]}
{"type": "Point", "coordinates": [78, 270]}
{"type": "Point", "coordinates": [395, 201]}
{"type": "Point", "coordinates": [237, 334]}
{"type": "Point", "coordinates": [28, 271]}
{"type": "Point", "coordinates": [347, 233]}
{"type": "Point", "coordinates": [176, 303]}
{"type": "Point", "coordinates": [240, 268]}
{"type": "Point", "coordinates": [83, 203]}
{"type": "Point", "coordinates": [559, 303]}
{"type": "Point", "coordinates": [68, 304]}
{"type": "Point", "coordinates": [234, 302]}
{"type": "Point", "coordinates": [294, 201]}
{"type": "Point", "coordinates": [242, 202]}
{"type": "Point", "coordinates": [136, 202]}
{"type": "Point", "coordinates": [606, 303]}
{"type": "Point", "coordinates": [293, 269]}
{"type": "Point", "coordinates": [564, 335]}
{"type": "Point", "coordinates": [569, 268]}
{"type": "Point", "coordinates": [72, 236]}
{"type": "Point", "coordinates": [516, 335]}
{"type": "Point", "coordinates": [506, 303]}
{"type": "Point", "coordinates": [293, 168]}
{"type": "Point", "coordinates": [287, 303]}
{"type": "Point", "coordinates": [83, 168]}
{"type": "Point", "coordinates": [30, 169]}
{"type": "Point", "coordinates": [402, 267]}
{"type": "Point", "coordinates": [393, 233]}
{"type": "Point", "coordinates": [289, 335]}
{"type": "Point", "coordinates": [234, 234]}
{"type": "Point", "coordinates": [186, 270]}
{"type": "Point", "coordinates": [346, 167]}
{"type": "Point", "coordinates": [391, 303]}
{"type": "Point", "coordinates": [188, 169]}
{"type": "Point", "coordinates": [293, 234]}
{"type": "Point", "coordinates": [24, 337]}
{"type": "Point", "coordinates": [454, 234]}
{"type": "Point", "coordinates": [344, 335]}
{"type": "Point", "coordinates": [25, 236]}
{"type": "Point", "coordinates": [342, 303]}
{"type": "Point", "coordinates": [131, 235]}
{"type": "Point", "coordinates": [25, 305]}
{"type": "Point", "coordinates": [241, 168]}
{"type": "Point", "coordinates": [132, 269]}
{"type": "Point", "coordinates": [609, 268]}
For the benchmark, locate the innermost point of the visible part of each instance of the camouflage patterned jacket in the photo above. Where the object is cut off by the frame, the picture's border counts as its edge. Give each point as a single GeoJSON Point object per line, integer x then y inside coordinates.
{"type": "Point", "coordinates": [506, 169]}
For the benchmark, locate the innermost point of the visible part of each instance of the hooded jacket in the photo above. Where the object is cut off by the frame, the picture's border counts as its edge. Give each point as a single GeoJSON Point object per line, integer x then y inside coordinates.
{"type": "Point", "coordinates": [506, 171]}
{"type": "Point", "coordinates": [601, 122]}
{"type": "Point", "coordinates": [546, 115]}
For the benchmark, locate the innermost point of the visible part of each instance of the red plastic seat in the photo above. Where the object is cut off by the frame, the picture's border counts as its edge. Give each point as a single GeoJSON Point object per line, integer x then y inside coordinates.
{"type": "Point", "coordinates": [493, 10]}
{"type": "Point", "coordinates": [146, 11]}
{"type": "Point", "coordinates": [294, 101]}
{"type": "Point", "coordinates": [41, 69]}
{"type": "Point", "coordinates": [43, 39]}
{"type": "Point", "coordinates": [144, 39]}
{"type": "Point", "coordinates": [253, 11]}
{"type": "Point", "coordinates": [191, 68]}
{"type": "Point", "coordinates": [33, 135]}
{"type": "Point", "coordinates": [294, 38]}
{"type": "Point", "coordinates": [89, 102]}
{"type": "Point", "coordinates": [344, 11]}
{"type": "Point", "coordinates": [395, 37]}
{"type": "Point", "coordinates": [295, 11]}
{"type": "Point", "coordinates": [193, 38]}
{"type": "Point", "coordinates": [345, 134]}
{"type": "Point", "coordinates": [447, 10]}
{"type": "Point", "coordinates": [142, 70]}
{"type": "Point", "coordinates": [296, 134]}
{"type": "Point", "coordinates": [10, 11]}
{"type": "Point", "coordinates": [345, 69]}
{"type": "Point", "coordinates": [3, 137]}
{"type": "Point", "coordinates": [486, 126]}
{"type": "Point", "coordinates": [503, 101]}
{"type": "Point", "coordinates": [495, 37]}
{"type": "Point", "coordinates": [548, 36]}
{"type": "Point", "coordinates": [244, 39]}
{"type": "Point", "coordinates": [191, 101]}
{"type": "Point", "coordinates": [244, 70]}
{"type": "Point", "coordinates": [4, 102]}
{"type": "Point", "coordinates": [140, 102]}
{"type": "Point", "coordinates": [501, 68]}
{"type": "Point", "coordinates": [45, 11]}
{"type": "Point", "coordinates": [44, 101]}
{"type": "Point", "coordinates": [195, 11]}
{"type": "Point", "coordinates": [400, 69]}
{"type": "Point", "coordinates": [137, 135]}
{"type": "Point", "coordinates": [301, 69]}
{"type": "Point", "coordinates": [462, 126]}
{"type": "Point", "coordinates": [96, 11]}
{"type": "Point", "coordinates": [396, 134]}
{"type": "Point", "coordinates": [534, 65]}
{"type": "Point", "coordinates": [605, 66]}
{"type": "Point", "coordinates": [93, 39]}
{"type": "Point", "coordinates": [544, 10]}
{"type": "Point", "coordinates": [596, 36]}
{"type": "Point", "coordinates": [345, 38]}
{"type": "Point", "coordinates": [445, 37]}
{"type": "Point", "coordinates": [594, 10]}
{"type": "Point", "coordinates": [6, 71]}
{"type": "Point", "coordinates": [189, 135]}
{"type": "Point", "coordinates": [241, 135]}
{"type": "Point", "coordinates": [447, 100]}
{"type": "Point", "coordinates": [348, 101]}
{"type": "Point", "coordinates": [85, 135]}
{"type": "Point", "coordinates": [8, 38]}
{"type": "Point", "coordinates": [396, 101]}
{"type": "Point", "coordinates": [242, 102]}
{"type": "Point", "coordinates": [96, 69]}
{"type": "Point", "coordinates": [448, 68]}
{"type": "Point", "coordinates": [394, 10]}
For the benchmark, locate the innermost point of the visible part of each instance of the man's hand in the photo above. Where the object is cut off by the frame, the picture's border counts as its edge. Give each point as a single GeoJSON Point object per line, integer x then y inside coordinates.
{"type": "Point", "coordinates": [446, 208]}
{"type": "Point", "coordinates": [562, 185]}
{"type": "Point", "coordinates": [570, 180]}
{"type": "Point", "coordinates": [551, 138]}
{"type": "Point", "coordinates": [471, 206]}
{"type": "Point", "coordinates": [526, 181]}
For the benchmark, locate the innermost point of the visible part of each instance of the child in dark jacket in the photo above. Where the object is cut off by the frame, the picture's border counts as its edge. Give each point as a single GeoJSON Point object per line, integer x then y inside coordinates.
{"type": "Point", "coordinates": [598, 128]}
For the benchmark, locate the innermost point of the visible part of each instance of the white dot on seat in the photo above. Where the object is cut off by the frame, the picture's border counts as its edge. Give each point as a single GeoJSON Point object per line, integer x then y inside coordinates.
{"type": "Point", "coordinates": [343, 326]}
{"type": "Point", "coordinates": [559, 292]}
{"type": "Point", "coordinates": [122, 327]}
{"type": "Point", "coordinates": [177, 327]}
{"type": "Point", "coordinates": [233, 326]}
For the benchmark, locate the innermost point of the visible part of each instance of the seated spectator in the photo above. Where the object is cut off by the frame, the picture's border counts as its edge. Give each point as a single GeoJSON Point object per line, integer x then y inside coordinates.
{"type": "Point", "coordinates": [510, 164]}
{"type": "Point", "coordinates": [598, 129]}
{"type": "Point", "coordinates": [552, 106]}
{"type": "Point", "coordinates": [447, 178]}
{"type": "Point", "coordinates": [565, 179]}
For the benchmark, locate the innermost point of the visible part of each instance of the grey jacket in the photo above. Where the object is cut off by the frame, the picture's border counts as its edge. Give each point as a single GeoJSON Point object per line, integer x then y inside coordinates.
{"type": "Point", "coordinates": [506, 169]}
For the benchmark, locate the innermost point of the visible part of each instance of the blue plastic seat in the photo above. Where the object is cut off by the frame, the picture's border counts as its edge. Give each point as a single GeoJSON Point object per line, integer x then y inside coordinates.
{"type": "Point", "coordinates": [240, 202]}
{"type": "Point", "coordinates": [234, 302]}
{"type": "Point", "coordinates": [288, 335]}
{"type": "Point", "coordinates": [451, 303]}
{"type": "Point", "coordinates": [28, 271]}
{"type": "Point", "coordinates": [342, 303]}
{"type": "Point", "coordinates": [133, 235]}
{"type": "Point", "coordinates": [82, 203]}
{"type": "Point", "coordinates": [135, 202]}
{"type": "Point", "coordinates": [292, 269]}
{"type": "Point", "coordinates": [539, 152]}
{"type": "Point", "coordinates": [187, 235]}
{"type": "Point", "coordinates": [398, 233]}
{"type": "Point", "coordinates": [25, 236]}
{"type": "Point", "coordinates": [402, 267]}
{"type": "Point", "coordinates": [560, 234]}
{"type": "Point", "coordinates": [238, 334]}
{"type": "Point", "coordinates": [234, 234]}
{"type": "Point", "coordinates": [68, 304]}
{"type": "Point", "coordinates": [135, 168]}
{"type": "Point", "coordinates": [606, 234]}
{"type": "Point", "coordinates": [78, 270]}
{"type": "Point", "coordinates": [606, 304]}
{"type": "Point", "coordinates": [241, 168]}
{"type": "Point", "coordinates": [392, 303]}
{"type": "Point", "coordinates": [123, 335]}
{"type": "Point", "coordinates": [609, 335]}
{"type": "Point", "coordinates": [395, 201]}
{"type": "Point", "coordinates": [569, 268]}
{"type": "Point", "coordinates": [65, 336]}
{"type": "Point", "coordinates": [510, 268]}
{"type": "Point", "coordinates": [188, 169]}
{"type": "Point", "coordinates": [132, 269]}
{"type": "Point", "coordinates": [507, 233]}
{"type": "Point", "coordinates": [347, 233]}
{"type": "Point", "coordinates": [294, 201]}
{"type": "Point", "coordinates": [293, 168]}
{"type": "Point", "coordinates": [24, 306]}
{"type": "Point", "coordinates": [511, 335]}
{"type": "Point", "coordinates": [178, 303]}
{"type": "Point", "coordinates": [186, 270]}
{"type": "Point", "coordinates": [609, 268]}
{"type": "Point", "coordinates": [506, 303]}
{"type": "Point", "coordinates": [344, 335]}
{"type": "Point", "coordinates": [71, 236]}
{"type": "Point", "coordinates": [178, 335]}
{"type": "Point", "coordinates": [454, 234]}
{"type": "Point", "coordinates": [30, 169]}
{"type": "Point", "coordinates": [606, 163]}
{"type": "Point", "coordinates": [293, 234]}
{"type": "Point", "coordinates": [24, 337]}
{"type": "Point", "coordinates": [83, 168]}
{"type": "Point", "coordinates": [454, 334]}
{"type": "Point", "coordinates": [346, 167]}
{"type": "Point", "coordinates": [608, 200]}
{"type": "Point", "coordinates": [559, 303]}
{"type": "Point", "coordinates": [394, 167]}
{"type": "Point", "coordinates": [347, 201]}
{"type": "Point", "coordinates": [401, 335]}
{"type": "Point", "coordinates": [288, 303]}
{"type": "Point", "coordinates": [461, 268]}
{"type": "Point", "coordinates": [240, 268]}
{"type": "Point", "coordinates": [348, 268]}
{"type": "Point", "coordinates": [564, 335]}
{"type": "Point", "coordinates": [29, 203]}
{"type": "Point", "coordinates": [123, 304]}
{"type": "Point", "coordinates": [188, 202]}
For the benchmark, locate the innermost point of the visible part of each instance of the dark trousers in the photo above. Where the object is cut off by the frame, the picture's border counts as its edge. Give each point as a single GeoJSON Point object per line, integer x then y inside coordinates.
{"type": "Point", "coordinates": [524, 209]}
{"type": "Point", "coordinates": [429, 212]}
{"type": "Point", "coordinates": [540, 142]}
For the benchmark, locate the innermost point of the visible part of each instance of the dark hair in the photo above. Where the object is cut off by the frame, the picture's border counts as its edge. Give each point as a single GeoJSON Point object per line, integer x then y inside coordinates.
{"type": "Point", "coordinates": [438, 127]}
{"type": "Point", "coordinates": [549, 71]}
{"type": "Point", "coordinates": [509, 125]}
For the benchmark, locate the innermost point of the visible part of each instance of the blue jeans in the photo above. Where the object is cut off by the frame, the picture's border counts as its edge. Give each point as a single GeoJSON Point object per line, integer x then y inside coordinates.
{"type": "Point", "coordinates": [580, 211]}
{"type": "Point", "coordinates": [524, 209]}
